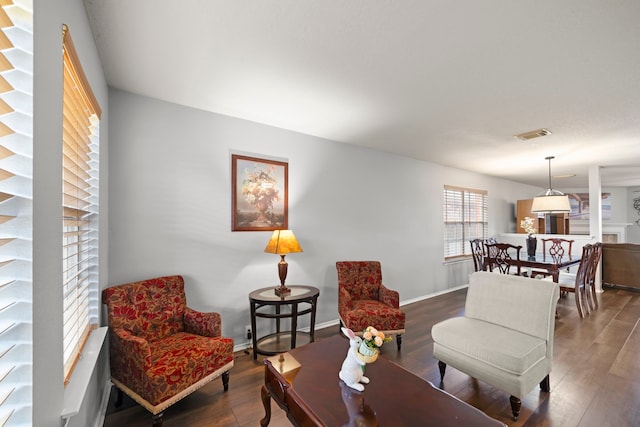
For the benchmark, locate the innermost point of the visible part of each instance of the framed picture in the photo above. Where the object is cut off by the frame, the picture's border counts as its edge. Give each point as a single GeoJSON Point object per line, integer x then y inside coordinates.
{"type": "Point", "coordinates": [260, 194]}
{"type": "Point", "coordinates": [580, 206]}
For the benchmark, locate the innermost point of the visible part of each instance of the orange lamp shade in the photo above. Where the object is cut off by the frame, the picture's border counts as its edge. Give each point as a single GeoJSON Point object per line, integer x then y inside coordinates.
{"type": "Point", "coordinates": [283, 242]}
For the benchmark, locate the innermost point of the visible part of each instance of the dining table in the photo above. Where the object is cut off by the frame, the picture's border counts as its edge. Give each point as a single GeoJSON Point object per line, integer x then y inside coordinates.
{"type": "Point", "coordinates": [552, 264]}
{"type": "Point", "coordinates": [543, 262]}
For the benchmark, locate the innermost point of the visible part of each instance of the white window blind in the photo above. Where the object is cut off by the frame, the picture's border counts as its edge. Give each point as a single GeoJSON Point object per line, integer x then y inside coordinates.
{"type": "Point", "coordinates": [16, 217]}
{"type": "Point", "coordinates": [80, 206]}
{"type": "Point", "coordinates": [465, 218]}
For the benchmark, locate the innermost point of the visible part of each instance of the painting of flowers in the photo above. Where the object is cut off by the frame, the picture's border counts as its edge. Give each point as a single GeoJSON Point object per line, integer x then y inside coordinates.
{"type": "Point", "coordinates": [259, 193]}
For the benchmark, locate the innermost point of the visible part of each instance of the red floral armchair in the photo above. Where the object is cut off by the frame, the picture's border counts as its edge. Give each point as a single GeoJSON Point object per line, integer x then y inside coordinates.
{"type": "Point", "coordinates": [161, 350]}
{"type": "Point", "coordinates": [364, 301]}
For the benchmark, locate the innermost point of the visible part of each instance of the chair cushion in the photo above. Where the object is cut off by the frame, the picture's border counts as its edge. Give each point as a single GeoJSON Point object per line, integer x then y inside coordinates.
{"type": "Point", "coordinates": [373, 313]}
{"type": "Point", "coordinates": [178, 361]}
{"type": "Point", "coordinates": [503, 348]}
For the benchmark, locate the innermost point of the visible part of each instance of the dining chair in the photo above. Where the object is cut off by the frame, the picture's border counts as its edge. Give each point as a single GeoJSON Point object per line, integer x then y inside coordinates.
{"type": "Point", "coordinates": [558, 248]}
{"type": "Point", "coordinates": [489, 241]}
{"type": "Point", "coordinates": [478, 254]}
{"type": "Point", "coordinates": [596, 256]}
{"type": "Point", "coordinates": [500, 257]}
{"type": "Point", "coordinates": [579, 284]}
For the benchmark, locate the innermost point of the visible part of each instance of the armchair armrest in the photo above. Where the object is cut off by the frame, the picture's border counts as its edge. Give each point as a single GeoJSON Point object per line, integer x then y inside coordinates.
{"type": "Point", "coordinates": [132, 351]}
{"type": "Point", "coordinates": [204, 324]}
{"type": "Point", "coordinates": [389, 297]}
{"type": "Point", "coordinates": [344, 298]}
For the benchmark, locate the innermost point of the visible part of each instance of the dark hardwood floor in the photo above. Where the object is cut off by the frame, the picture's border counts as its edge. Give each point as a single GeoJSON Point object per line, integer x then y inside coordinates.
{"type": "Point", "coordinates": [595, 379]}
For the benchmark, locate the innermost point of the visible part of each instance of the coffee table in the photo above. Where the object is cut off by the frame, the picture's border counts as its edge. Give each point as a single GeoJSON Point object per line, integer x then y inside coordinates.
{"type": "Point", "coordinates": [304, 382]}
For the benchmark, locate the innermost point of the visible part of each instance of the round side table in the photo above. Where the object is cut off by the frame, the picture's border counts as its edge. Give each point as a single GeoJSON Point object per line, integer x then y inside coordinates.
{"type": "Point", "coordinates": [281, 341]}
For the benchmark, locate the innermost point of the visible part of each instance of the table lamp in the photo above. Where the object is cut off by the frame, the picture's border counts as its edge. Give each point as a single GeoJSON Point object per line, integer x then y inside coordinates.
{"type": "Point", "coordinates": [282, 242]}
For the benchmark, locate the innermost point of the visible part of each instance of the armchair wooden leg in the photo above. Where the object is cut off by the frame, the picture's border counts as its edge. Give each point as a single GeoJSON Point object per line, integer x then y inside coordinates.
{"type": "Point", "coordinates": [443, 367]}
{"type": "Point", "coordinates": [515, 407]}
{"type": "Point", "coordinates": [225, 380]}
{"type": "Point", "coordinates": [399, 341]}
{"type": "Point", "coordinates": [544, 384]}
{"type": "Point", "coordinates": [119, 397]}
{"type": "Point", "coordinates": [157, 419]}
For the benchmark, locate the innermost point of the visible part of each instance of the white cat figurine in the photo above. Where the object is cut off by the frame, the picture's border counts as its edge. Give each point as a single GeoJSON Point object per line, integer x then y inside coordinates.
{"type": "Point", "coordinates": [352, 373]}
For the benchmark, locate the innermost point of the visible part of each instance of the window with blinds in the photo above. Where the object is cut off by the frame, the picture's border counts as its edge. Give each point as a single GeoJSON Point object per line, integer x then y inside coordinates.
{"type": "Point", "coordinates": [465, 218]}
{"type": "Point", "coordinates": [16, 211]}
{"type": "Point", "coordinates": [81, 114]}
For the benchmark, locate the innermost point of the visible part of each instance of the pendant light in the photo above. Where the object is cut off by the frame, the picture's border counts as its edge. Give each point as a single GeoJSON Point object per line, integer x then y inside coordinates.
{"type": "Point", "coordinates": [551, 201]}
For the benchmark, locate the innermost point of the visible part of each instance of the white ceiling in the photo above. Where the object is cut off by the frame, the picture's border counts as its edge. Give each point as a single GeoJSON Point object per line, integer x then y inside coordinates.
{"type": "Point", "coordinates": [448, 81]}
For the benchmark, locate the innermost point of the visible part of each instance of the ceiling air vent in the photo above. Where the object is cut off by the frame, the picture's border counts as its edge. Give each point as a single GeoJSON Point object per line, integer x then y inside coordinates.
{"type": "Point", "coordinates": [533, 134]}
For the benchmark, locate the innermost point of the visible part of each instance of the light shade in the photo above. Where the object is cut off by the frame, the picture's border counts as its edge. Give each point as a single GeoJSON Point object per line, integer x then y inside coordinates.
{"type": "Point", "coordinates": [282, 242]}
{"type": "Point", "coordinates": [551, 201]}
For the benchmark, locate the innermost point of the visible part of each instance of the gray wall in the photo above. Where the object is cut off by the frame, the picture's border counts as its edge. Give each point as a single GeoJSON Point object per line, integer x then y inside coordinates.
{"type": "Point", "coordinates": [170, 209]}
{"type": "Point", "coordinates": [48, 389]}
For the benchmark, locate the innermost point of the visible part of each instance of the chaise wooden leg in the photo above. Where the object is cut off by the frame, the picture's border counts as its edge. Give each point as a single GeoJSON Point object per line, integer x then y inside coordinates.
{"type": "Point", "coordinates": [515, 407]}
{"type": "Point", "coordinates": [399, 341]}
{"type": "Point", "coordinates": [544, 384]}
{"type": "Point", "coordinates": [443, 367]}
{"type": "Point", "coordinates": [157, 419]}
{"type": "Point", "coordinates": [225, 380]}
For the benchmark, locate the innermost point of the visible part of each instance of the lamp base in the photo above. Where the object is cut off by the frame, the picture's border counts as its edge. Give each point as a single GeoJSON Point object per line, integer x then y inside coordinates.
{"type": "Point", "coordinates": [282, 291]}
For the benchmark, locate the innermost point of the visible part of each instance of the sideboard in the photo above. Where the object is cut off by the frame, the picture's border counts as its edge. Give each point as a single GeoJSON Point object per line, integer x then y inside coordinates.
{"type": "Point", "coordinates": [621, 266]}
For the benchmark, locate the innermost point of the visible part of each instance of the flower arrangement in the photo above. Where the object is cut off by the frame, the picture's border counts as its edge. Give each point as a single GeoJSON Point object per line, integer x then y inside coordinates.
{"type": "Point", "coordinates": [528, 224]}
{"type": "Point", "coordinates": [373, 338]}
{"type": "Point", "coordinates": [259, 189]}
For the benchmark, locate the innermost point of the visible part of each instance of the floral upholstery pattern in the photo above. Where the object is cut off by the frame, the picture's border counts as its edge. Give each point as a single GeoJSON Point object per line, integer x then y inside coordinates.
{"type": "Point", "coordinates": [364, 301]}
{"type": "Point", "coordinates": [161, 350]}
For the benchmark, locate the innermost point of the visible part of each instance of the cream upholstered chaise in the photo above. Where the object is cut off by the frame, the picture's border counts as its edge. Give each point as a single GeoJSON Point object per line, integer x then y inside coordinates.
{"type": "Point", "coordinates": [505, 337]}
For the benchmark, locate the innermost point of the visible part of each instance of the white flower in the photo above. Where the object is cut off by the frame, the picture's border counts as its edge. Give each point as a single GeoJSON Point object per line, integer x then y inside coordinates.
{"type": "Point", "coordinates": [528, 224]}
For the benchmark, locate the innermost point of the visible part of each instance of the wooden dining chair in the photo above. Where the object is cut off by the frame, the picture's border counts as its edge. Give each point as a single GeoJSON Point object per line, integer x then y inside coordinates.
{"type": "Point", "coordinates": [557, 249]}
{"type": "Point", "coordinates": [500, 257]}
{"type": "Point", "coordinates": [478, 254]}
{"type": "Point", "coordinates": [579, 284]}
{"type": "Point", "coordinates": [590, 290]}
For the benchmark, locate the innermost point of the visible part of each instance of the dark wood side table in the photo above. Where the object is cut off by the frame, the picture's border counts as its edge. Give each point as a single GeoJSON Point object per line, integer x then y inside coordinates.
{"type": "Point", "coordinates": [260, 302]}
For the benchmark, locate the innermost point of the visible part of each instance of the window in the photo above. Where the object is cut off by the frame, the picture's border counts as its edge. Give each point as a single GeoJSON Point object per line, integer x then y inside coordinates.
{"type": "Point", "coordinates": [16, 212]}
{"type": "Point", "coordinates": [465, 218]}
{"type": "Point", "coordinates": [81, 121]}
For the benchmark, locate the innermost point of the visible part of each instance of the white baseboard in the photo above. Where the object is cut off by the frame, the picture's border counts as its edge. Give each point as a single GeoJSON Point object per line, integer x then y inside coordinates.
{"type": "Point", "coordinates": [334, 322]}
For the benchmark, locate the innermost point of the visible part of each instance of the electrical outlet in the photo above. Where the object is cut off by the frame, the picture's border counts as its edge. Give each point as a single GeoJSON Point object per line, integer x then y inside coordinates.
{"type": "Point", "coordinates": [248, 331]}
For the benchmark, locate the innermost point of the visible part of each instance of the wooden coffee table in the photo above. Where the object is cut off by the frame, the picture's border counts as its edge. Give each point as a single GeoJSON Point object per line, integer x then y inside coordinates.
{"type": "Point", "coordinates": [304, 382]}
